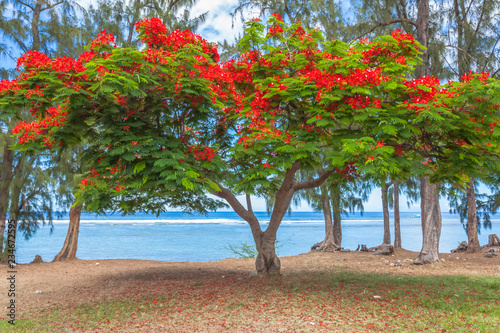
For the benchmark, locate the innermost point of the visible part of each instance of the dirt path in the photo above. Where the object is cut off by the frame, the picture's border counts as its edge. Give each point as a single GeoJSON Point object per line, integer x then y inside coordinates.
{"type": "Point", "coordinates": [70, 283]}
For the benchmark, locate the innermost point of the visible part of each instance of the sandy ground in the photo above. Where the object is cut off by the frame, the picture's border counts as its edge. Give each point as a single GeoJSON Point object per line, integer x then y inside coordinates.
{"type": "Point", "coordinates": [70, 283]}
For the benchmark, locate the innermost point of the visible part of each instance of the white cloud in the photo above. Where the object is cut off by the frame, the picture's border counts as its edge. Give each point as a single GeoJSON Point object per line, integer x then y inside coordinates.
{"type": "Point", "coordinates": [219, 24]}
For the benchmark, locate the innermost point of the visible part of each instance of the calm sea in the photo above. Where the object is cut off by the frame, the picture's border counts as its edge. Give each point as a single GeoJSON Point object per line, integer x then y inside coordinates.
{"type": "Point", "coordinates": [174, 236]}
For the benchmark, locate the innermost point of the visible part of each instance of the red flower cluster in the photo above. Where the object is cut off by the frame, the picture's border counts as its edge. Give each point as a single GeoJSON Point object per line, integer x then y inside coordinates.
{"type": "Point", "coordinates": [6, 85]}
{"type": "Point", "coordinates": [419, 95]}
{"type": "Point", "coordinates": [66, 64]}
{"type": "Point", "coordinates": [154, 33]}
{"type": "Point", "coordinates": [103, 38]}
{"type": "Point", "coordinates": [349, 171]}
{"type": "Point", "coordinates": [360, 102]}
{"type": "Point", "coordinates": [35, 129]}
{"type": "Point", "coordinates": [33, 60]}
{"type": "Point", "coordinates": [202, 152]}
{"type": "Point", "coordinates": [483, 76]}
{"type": "Point", "coordinates": [86, 56]}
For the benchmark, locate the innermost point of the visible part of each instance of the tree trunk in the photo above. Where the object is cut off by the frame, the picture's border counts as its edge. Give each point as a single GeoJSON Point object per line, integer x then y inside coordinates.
{"type": "Point", "coordinates": [397, 217]}
{"type": "Point", "coordinates": [460, 40]}
{"type": "Point", "coordinates": [267, 262]}
{"type": "Point", "coordinates": [493, 240]}
{"type": "Point", "coordinates": [6, 167]}
{"type": "Point", "coordinates": [385, 209]}
{"type": "Point", "coordinates": [423, 36]}
{"type": "Point", "coordinates": [328, 244]}
{"type": "Point", "coordinates": [35, 31]}
{"type": "Point", "coordinates": [70, 245]}
{"type": "Point", "coordinates": [337, 222]}
{"type": "Point", "coordinates": [16, 202]}
{"type": "Point", "coordinates": [473, 239]}
{"type": "Point", "coordinates": [431, 222]}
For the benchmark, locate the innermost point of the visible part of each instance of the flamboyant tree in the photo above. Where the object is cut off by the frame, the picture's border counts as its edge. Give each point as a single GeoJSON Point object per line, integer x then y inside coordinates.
{"type": "Point", "coordinates": [168, 123]}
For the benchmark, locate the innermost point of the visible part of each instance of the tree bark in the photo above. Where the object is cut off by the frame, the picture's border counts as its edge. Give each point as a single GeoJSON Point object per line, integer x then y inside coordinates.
{"type": "Point", "coordinates": [337, 222]}
{"type": "Point", "coordinates": [6, 174]}
{"type": "Point", "coordinates": [473, 239]}
{"type": "Point", "coordinates": [328, 244]}
{"type": "Point", "coordinates": [35, 31]}
{"type": "Point", "coordinates": [423, 36]}
{"type": "Point", "coordinates": [397, 217]}
{"type": "Point", "coordinates": [385, 209]}
{"type": "Point", "coordinates": [16, 204]}
{"type": "Point", "coordinates": [460, 40]}
{"type": "Point", "coordinates": [70, 245]}
{"type": "Point", "coordinates": [493, 240]}
{"type": "Point", "coordinates": [431, 222]}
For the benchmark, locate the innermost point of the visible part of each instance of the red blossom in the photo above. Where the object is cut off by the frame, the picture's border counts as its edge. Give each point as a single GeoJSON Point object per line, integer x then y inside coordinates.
{"type": "Point", "coordinates": [33, 60]}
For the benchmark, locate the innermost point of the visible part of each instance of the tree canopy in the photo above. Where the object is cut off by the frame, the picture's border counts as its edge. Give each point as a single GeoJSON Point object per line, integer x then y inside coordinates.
{"type": "Point", "coordinates": [169, 123]}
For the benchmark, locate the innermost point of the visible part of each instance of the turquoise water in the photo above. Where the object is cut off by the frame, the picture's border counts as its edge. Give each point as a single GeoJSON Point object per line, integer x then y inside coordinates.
{"type": "Point", "coordinates": [175, 236]}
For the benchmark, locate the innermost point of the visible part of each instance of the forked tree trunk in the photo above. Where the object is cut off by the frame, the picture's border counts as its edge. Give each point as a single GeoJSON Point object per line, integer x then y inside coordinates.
{"type": "Point", "coordinates": [267, 262]}
{"type": "Point", "coordinates": [431, 222]}
{"type": "Point", "coordinates": [385, 209]}
{"type": "Point", "coordinates": [70, 245]}
{"type": "Point", "coordinates": [397, 218]}
{"type": "Point", "coordinates": [328, 244]}
{"type": "Point", "coordinates": [473, 244]}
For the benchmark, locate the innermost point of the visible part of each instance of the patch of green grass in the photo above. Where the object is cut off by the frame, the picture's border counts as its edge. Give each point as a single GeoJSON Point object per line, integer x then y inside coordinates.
{"type": "Point", "coordinates": [341, 302]}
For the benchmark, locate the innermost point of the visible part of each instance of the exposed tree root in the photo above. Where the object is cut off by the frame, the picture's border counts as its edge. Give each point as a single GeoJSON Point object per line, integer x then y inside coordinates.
{"type": "Point", "coordinates": [327, 245]}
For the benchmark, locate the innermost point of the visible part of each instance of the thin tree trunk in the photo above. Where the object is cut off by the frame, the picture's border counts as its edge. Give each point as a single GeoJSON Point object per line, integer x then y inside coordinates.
{"type": "Point", "coordinates": [473, 244]}
{"type": "Point", "coordinates": [460, 40]}
{"type": "Point", "coordinates": [328, 244]}
{"type": "Point", "coordinates": [431, 222]}
{"type": "Point", "coordinates": [423, 36]}
{"type": "Point", "coordinates": [385, 209]}
{"type": "Point", "coordinates": [70, 245]}
{"type": "Point", "coordinates": [397, 217]}
{"type": "Point", "coordinates": [337, 221]}
{"type": "Point", "coordinates": [35, 31]}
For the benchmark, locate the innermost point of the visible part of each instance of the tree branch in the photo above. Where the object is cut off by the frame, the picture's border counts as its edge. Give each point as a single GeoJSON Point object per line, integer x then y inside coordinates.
{"type": "Point", "coordinates": [25, 4]}
{"type": "Point", "coordinates": [238, 208]}
{"type": "Point", "coordinates": [313, 182]}
{"type": "Point", "coordinates": [52, 6]}
{"type": "Point", "coordinates": [383, 24]}
{"type": "Point", "coordinates": [249, 203]}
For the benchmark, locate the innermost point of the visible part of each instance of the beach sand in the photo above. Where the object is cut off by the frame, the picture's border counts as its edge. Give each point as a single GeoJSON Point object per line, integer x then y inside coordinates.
{"type": "Point", "coordinates": [69, 283]}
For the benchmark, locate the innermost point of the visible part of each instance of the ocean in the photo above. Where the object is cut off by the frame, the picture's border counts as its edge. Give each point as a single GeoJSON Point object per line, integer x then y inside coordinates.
{"type": "Point", "coordinates": [174, 236]}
